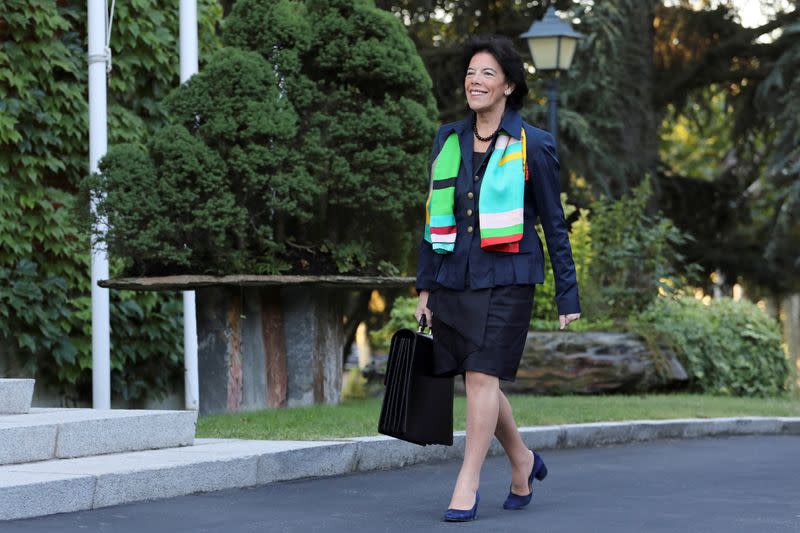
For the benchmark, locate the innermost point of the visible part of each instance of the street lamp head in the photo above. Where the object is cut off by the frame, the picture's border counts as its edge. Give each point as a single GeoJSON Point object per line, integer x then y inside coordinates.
{"type": "Point", "coordinates": [552, 42]}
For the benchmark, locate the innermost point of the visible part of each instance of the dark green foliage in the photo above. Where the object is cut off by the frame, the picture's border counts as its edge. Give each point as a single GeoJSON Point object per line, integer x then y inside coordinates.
{"type": "Point", "coordinates": [644, 62]}
{"type": "Point", "coordinates": [146, 344]}
{"type": "Point", "coordinates": [43, 76]}
{"type": "Point", "coordinates": [42, 104]}
{"type": "Point", "coordinates": [41, 265]}
{"type": "Point", "coordinates": [44, 256]}
{"type": "Point", "coordinates": [634, 255]}
{"type": "Point", "coordinates": [623, 258]}
{"type": "Point", "coordinates": [779, 200]}
{"type": "Point", "coordinates": [366, 119]}
{"type": "Point", "coordinates": [316, 120]}
{"type": "Point", "coordinates": [237, 112]}
{"type": "Point", "coordinates": [204, 195]}
{"type": "Point", "coordinates": [280, 31]}
{"type": "Point", "coordinates": [727, 347]}
{"type": "Point", "coordinates": [45, 321]}
{"type": "Point", "coordinates": [179, 180]}
{"type": "Point", "coordinates": [611, 122]}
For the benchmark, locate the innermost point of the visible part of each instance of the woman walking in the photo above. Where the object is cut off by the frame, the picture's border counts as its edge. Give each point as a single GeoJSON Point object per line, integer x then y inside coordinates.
{"type": "Point", "coordinates": [492, 175]}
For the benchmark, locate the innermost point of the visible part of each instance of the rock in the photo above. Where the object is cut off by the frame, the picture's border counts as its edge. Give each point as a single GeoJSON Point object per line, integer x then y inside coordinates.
{"type": "Point", "coordinates": [593, 362]}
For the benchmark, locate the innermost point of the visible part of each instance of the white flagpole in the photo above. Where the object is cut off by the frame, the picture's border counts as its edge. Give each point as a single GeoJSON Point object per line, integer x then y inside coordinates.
{"type": "Point", "coordinates": [189, 67]}
{"type": "Point", "coordinates": [101, 327]}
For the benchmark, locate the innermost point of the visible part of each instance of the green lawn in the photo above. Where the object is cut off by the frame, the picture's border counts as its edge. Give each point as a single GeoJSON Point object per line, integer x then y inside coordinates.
{"type": "Point", "coordinates": [360, 417]}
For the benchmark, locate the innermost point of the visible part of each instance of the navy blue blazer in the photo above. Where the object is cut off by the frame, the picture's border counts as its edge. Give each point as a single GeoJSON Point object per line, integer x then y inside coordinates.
{"type": "Point", "coordinates": [469, 263]}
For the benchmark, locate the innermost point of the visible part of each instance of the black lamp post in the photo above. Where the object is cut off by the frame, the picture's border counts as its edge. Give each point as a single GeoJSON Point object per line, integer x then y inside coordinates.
{"type": "Point", "coordinates": [552, 42]}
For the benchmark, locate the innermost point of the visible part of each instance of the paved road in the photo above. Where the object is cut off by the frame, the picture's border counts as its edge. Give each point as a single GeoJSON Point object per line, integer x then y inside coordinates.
{"type": "Point", "coordinates": [725, 485]}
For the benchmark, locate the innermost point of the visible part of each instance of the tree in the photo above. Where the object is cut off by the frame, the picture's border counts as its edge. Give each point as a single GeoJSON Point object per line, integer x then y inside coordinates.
{"type": "Point", "coordinates": [319, 117]}
{"type": "Point", "coordinates": [644, 63]}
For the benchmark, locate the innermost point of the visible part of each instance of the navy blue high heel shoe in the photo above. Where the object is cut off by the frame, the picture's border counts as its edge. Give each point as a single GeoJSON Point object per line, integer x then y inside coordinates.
{"type": "Point", "coordinates": [463, 515]}
{"type": "Point", "coordinates": [539, 471]}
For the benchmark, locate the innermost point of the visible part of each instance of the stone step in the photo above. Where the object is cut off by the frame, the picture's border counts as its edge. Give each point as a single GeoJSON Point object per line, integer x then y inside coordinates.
{"type": "Point", "coordinates": [15, 395]}
{"type": "Point", "coordinates": [66, 485]}
{"type": "Point", "coordinates": [51, 433]}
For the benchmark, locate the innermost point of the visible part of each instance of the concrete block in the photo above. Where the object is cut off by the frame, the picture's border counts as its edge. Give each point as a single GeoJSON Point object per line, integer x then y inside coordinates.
{"type": "Point", "coordinates": [383, 453]}
{"type": "Point", "coordinates": [456, 451]}
{"type": "Point", "coordinates": [122, 431]}
{"type": "Point", "coordinates": [175, 480]}
{"type": "Point", "coordinates": [53, 415]}
{"type": "Point", "coordinates": [597, 434]}
{"type": "Point", "coordinates": [312, 461]}
{"type": "Point", "coordinates": [748, 425]}
{"type": "Point", "coordinates": [693, 428]}
{"type": "Point", "coordinates": [644, 430]}
{"type": "Point", "coordinates": [237, 447]}
{"type": "Point", "coordinates": [26, 494]}
{"type": "Point", "coordinates": [15, 395]}
{"type": "Point", "coordinates": [790, 425]}
{"type": "Point", "coordinates": [146, 475]}
{"type": "Point", "coordinates": [719, 426]}
{"type": "Point", "coordinates": [542, 438]}
{"type": "Point", "coordinates": [25, 443]}
{"type": "Point", "coordinates": [756, 425]}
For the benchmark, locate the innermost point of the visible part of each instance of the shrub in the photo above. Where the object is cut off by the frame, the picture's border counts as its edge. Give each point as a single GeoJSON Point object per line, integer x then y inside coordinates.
{"type": "Point", "coordinates": [545, 311]}
{"type": "Point", "coordinates": [636, 255]}
{"type": "Point", "coordinates": [313, 128]}
{"type": "Point", "coordinates": [622, 257]}
{"type": "Point", "coordinates": [728, 347]}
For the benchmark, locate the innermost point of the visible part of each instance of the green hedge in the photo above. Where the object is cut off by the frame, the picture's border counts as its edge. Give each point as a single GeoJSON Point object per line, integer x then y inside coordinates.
{"type": "Point", "coordinates": [727, 347]}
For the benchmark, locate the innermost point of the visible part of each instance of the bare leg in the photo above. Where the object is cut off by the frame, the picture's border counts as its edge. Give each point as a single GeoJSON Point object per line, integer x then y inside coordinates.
{"type": "Point", "coordinates": [518, 454]}
{"type": "Point", "coordinates": [482, 410]}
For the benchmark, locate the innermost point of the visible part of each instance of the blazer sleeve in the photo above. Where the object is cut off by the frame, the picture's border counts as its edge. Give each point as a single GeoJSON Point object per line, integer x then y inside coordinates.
{"type": "Point", "coordinates": [426, 271]}
{"type": "Point", "coordinates": [544, 168]}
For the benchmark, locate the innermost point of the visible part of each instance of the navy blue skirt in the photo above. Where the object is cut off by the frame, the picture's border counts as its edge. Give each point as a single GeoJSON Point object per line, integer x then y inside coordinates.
{"type": "Point", "coordinates": [482, 330]}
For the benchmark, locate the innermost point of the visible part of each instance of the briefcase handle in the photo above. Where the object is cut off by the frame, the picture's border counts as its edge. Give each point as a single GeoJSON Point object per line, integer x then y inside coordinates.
{"type": "Point", "coordinates": [423, 323]}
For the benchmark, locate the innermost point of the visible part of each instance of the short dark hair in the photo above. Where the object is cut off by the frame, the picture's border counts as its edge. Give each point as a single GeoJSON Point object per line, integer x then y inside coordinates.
{"type": "Point", "coordinates": [502, 48]}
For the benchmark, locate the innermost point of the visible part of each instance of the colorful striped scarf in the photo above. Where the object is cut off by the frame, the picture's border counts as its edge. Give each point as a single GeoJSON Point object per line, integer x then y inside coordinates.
{"type": "Point", "coordinates": [501, 200]}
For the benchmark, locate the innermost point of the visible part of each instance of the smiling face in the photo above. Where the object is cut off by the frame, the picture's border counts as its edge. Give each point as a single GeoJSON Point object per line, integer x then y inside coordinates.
{"type": "Point", "coordinates": [485, 84]}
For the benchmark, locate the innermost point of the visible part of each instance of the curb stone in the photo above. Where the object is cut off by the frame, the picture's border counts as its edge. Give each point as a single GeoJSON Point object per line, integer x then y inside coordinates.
{"type": "Point", "coordinates": [65, 485]}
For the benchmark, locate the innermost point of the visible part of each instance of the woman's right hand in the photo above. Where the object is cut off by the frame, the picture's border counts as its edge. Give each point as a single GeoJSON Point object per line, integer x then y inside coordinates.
{"type": "Point", "coordinates": [422, 307]}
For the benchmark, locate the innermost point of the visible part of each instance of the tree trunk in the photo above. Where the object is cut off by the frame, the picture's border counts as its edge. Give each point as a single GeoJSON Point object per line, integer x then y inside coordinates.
{"type": "Point", "coordinates": [639, 142]}
{"type": "Point", "coordinates": [791, 331]}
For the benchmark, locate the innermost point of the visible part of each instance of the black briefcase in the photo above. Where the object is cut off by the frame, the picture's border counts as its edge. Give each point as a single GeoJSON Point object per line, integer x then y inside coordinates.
{"type": "Point", "coordinates": [417, 406]}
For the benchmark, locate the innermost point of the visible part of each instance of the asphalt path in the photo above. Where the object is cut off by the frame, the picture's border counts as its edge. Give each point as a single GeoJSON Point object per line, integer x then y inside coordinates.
{"type": "Point", "coordinates": [725, 485]}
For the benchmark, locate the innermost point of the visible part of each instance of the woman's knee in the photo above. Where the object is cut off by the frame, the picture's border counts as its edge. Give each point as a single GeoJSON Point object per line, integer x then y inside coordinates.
{"type": "Point", "coordinates": [479, 381]}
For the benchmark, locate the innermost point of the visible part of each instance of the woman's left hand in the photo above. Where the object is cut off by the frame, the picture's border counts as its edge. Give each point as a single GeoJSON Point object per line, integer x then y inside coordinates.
{"type": "Point", "coordinates": [566, 319]}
